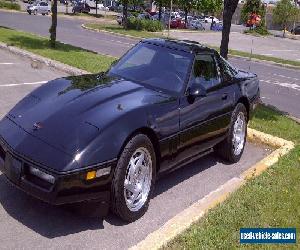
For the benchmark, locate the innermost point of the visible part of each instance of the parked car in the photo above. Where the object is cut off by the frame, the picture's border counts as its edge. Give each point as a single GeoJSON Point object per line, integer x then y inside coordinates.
{"type": "Point", "coordinates": [81, 8]}
{"type": "Point", "coordinates": [196, 24]}
{"type": "Point", "coordinates": [145, 16]}
{"type": "Point", "coordinates": [63, 2]}
{"type": "Point", "coordinates": [39, 8]}
{"type": "Point", "coordinates": [177, 23]}
{"type": "Point", "coordinates": [108, 136]}
{"type": "Point", "coordinates": [210, 19]}
{"type": "Point", "coordinates": [296, 31]}
{"type": "Point", "coordinates": [217, 26]}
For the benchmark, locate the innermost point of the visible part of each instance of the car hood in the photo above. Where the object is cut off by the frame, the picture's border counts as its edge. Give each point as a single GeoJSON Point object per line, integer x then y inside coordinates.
{"type": "Point", "coordinates": [70, 112]}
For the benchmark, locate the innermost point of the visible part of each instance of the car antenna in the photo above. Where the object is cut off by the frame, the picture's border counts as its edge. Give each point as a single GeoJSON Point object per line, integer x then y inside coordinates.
{"type": "Point", "coordinates": [251, 54]}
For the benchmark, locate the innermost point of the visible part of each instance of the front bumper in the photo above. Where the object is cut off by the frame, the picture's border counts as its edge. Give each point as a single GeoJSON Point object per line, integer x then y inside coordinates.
{"type": "Point", "coordinates": [67, 187]}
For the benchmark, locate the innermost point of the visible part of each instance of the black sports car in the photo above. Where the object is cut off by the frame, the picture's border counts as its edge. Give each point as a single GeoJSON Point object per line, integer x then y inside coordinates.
{"type": "Point", "coordinates": [107, 137]}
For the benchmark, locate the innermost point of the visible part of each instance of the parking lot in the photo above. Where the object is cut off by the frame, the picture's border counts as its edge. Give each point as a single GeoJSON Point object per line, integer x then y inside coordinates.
{"type": "Point", "coordinates": [27, 223]}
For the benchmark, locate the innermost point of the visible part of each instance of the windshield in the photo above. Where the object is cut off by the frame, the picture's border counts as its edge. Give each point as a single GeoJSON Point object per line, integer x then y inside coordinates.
{"type": "Point", "coordinates": [156, 66]}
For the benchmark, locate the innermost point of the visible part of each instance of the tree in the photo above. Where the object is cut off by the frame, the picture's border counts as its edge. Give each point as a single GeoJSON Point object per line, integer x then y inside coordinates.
{"type": "Point", "coordinates": [187, 6]}
{"type": "Point", "coordinates": [253, 6]}
{"type": "Point", "coordinates": [125, 13]}
{"type": "Point", "coordinates": [229, 9]}
{"type": "Point", "coordinates": [209, 6]}
{"type": "Point", "coordinates": [52, 29]}
{"type": "Point", "coordinates": [161, 4]}
{"type": "Point", "coordinates": [284, 13]}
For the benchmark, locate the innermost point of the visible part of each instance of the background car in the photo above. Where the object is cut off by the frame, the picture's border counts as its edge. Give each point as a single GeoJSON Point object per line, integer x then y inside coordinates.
{"type": "Point", "coordinates": [217, 26]}
{"type": "Point", "coordinates": [81, 8]}
{"type": "Point", "coordinates": [196, 24]}
{"type": "Point", "coordinates": [210, 19]}
{"type": "Point", "coordinates": [296, 31]}
{"type": "Point", "coordinates": [39, 8]}
{"type": "Point", "coordinates": [177, 23]}
{"type": "Point", "coordinates": [63, 1]}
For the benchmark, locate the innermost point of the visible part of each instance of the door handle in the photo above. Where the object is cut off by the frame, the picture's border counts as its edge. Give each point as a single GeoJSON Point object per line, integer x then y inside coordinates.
{"type": "Point", "coordinates": [224, 97]}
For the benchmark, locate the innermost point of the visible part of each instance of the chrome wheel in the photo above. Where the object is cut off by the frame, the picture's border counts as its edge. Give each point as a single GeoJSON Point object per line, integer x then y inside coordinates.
{"type": "Point", "coordinates": [138, 179]}
{"type": "Point", "coordinates": [239, 133]}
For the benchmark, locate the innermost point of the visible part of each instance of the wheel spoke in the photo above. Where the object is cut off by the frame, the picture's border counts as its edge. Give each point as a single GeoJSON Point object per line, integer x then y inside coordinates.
{"type": "Point", "coordinates": [140, 160]}
{"type": "Point", "coordinates": [128, 186]}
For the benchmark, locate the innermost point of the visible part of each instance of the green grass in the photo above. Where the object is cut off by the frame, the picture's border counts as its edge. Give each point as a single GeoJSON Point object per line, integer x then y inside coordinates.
{"type": "Point", "coordinates": [233, 52]}
{"type": "Point", "coordinates": [265, 58]}
{"type": "Point", "coordinates": [9, 5]}
{"type": "Point", "coordinates": [120, 30]}
{"type": "Point", "coordinates": [270, 200]}
{"type": "Point", "coordinates": [68, 54]}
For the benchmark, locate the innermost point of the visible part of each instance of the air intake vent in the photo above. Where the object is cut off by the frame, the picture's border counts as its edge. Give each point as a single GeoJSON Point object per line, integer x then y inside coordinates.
{"type": "Point", "coordinates": [2, 153]}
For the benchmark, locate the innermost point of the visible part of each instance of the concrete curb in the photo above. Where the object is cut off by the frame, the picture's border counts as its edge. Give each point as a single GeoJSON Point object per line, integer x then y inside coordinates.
{"type": "Point", "coordinates": [110, 32]}
{"type": "Point", "coordinates": [187, 217]}
{"type": "Point", "coordinates": [51, 63]}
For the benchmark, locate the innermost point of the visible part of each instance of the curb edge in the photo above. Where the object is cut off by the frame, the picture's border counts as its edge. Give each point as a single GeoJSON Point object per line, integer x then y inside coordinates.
{"type": "Point", "coordinates": [183, 220]}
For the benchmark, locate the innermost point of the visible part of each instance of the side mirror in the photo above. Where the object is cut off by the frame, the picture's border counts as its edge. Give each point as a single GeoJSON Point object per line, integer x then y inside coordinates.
{"type": "Point", "coordinates": [196, 90]}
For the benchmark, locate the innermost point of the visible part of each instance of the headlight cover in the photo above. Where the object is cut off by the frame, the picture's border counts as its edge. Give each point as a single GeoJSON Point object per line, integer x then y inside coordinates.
{"type": "Point", "coordinates": [42, 175]}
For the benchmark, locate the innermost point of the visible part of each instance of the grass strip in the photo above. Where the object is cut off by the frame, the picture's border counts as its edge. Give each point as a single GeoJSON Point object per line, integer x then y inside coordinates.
{"type": "Point", "coordinates": [9, 5]}
{"type": "Point", "coordinates": [65, 53]}
{"type": "Point", "coordinates": [270, 200]}
{"type": "Point", "coordinates": [118, 29]}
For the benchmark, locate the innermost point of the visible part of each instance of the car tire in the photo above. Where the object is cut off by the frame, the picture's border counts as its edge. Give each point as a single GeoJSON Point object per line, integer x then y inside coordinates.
{"type": "Point", "coordinates": [232, 147]}
{"type": "Point", "coordinates": [132, 181]}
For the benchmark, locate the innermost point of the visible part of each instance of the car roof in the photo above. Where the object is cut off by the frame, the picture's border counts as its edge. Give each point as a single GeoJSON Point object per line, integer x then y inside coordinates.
{"type": "Point", "coordinates": [183, 45]}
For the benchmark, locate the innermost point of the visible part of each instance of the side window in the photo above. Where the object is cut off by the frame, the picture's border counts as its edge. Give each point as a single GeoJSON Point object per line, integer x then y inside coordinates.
{"type": "Point", "coordinates": [205, 71]}
{"type": "Point", "coordinates": [227, 70]}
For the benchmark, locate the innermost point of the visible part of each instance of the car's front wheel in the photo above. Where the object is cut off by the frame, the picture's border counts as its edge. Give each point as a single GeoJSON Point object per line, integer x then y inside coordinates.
{"type": "Point", "coordinates": [232, 147]}
{"type": "Point", "coordinates": [134, 179]}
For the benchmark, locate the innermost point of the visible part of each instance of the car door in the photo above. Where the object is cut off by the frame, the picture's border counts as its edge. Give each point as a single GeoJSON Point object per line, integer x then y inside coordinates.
{"type": "Point", "coordinates": [204, 119]}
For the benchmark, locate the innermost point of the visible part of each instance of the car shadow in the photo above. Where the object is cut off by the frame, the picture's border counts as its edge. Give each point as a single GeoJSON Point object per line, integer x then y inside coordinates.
{"type": "Point", "coordinates": [56, 221]}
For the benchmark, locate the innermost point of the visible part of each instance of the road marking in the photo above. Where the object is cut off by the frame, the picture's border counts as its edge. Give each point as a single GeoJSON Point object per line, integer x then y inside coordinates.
{"type": "Point", "coordinates": [283, 84]}
{"type": "Point", "coordinates": [25, 83]}
{"type": "Point", "coordinates": [267, 54]}
{"type": "Point", "coordinates": [283, 50]}
{"type": "Point", "coordinates": [288, 77]}
{"type": "Point", "coordinates": [6, 63]}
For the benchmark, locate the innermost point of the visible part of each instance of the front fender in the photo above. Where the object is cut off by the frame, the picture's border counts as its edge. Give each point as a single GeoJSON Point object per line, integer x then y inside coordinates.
{"type": "Point", "coordinates": [108, 144]}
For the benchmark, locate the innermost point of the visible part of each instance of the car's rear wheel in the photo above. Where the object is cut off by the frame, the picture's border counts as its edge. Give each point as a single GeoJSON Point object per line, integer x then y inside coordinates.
{"type": "Point", "coordinates": [232, 147]}
{"type": "Point", "coordinates": [134, 179]}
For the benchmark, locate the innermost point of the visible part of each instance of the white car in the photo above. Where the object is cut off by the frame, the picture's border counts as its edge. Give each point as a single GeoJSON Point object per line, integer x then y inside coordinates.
{"type": "Point", "coordinates": [39, 8]}
{"type": "Point", "coordinates": [210, 19]}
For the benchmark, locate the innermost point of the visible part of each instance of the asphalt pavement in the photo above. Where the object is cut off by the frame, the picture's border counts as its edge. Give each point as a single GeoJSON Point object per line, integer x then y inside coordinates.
{"type": "Point", "coordinates": [279, 86]}
{"type": "Point", "coordinates": [27, 223]}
